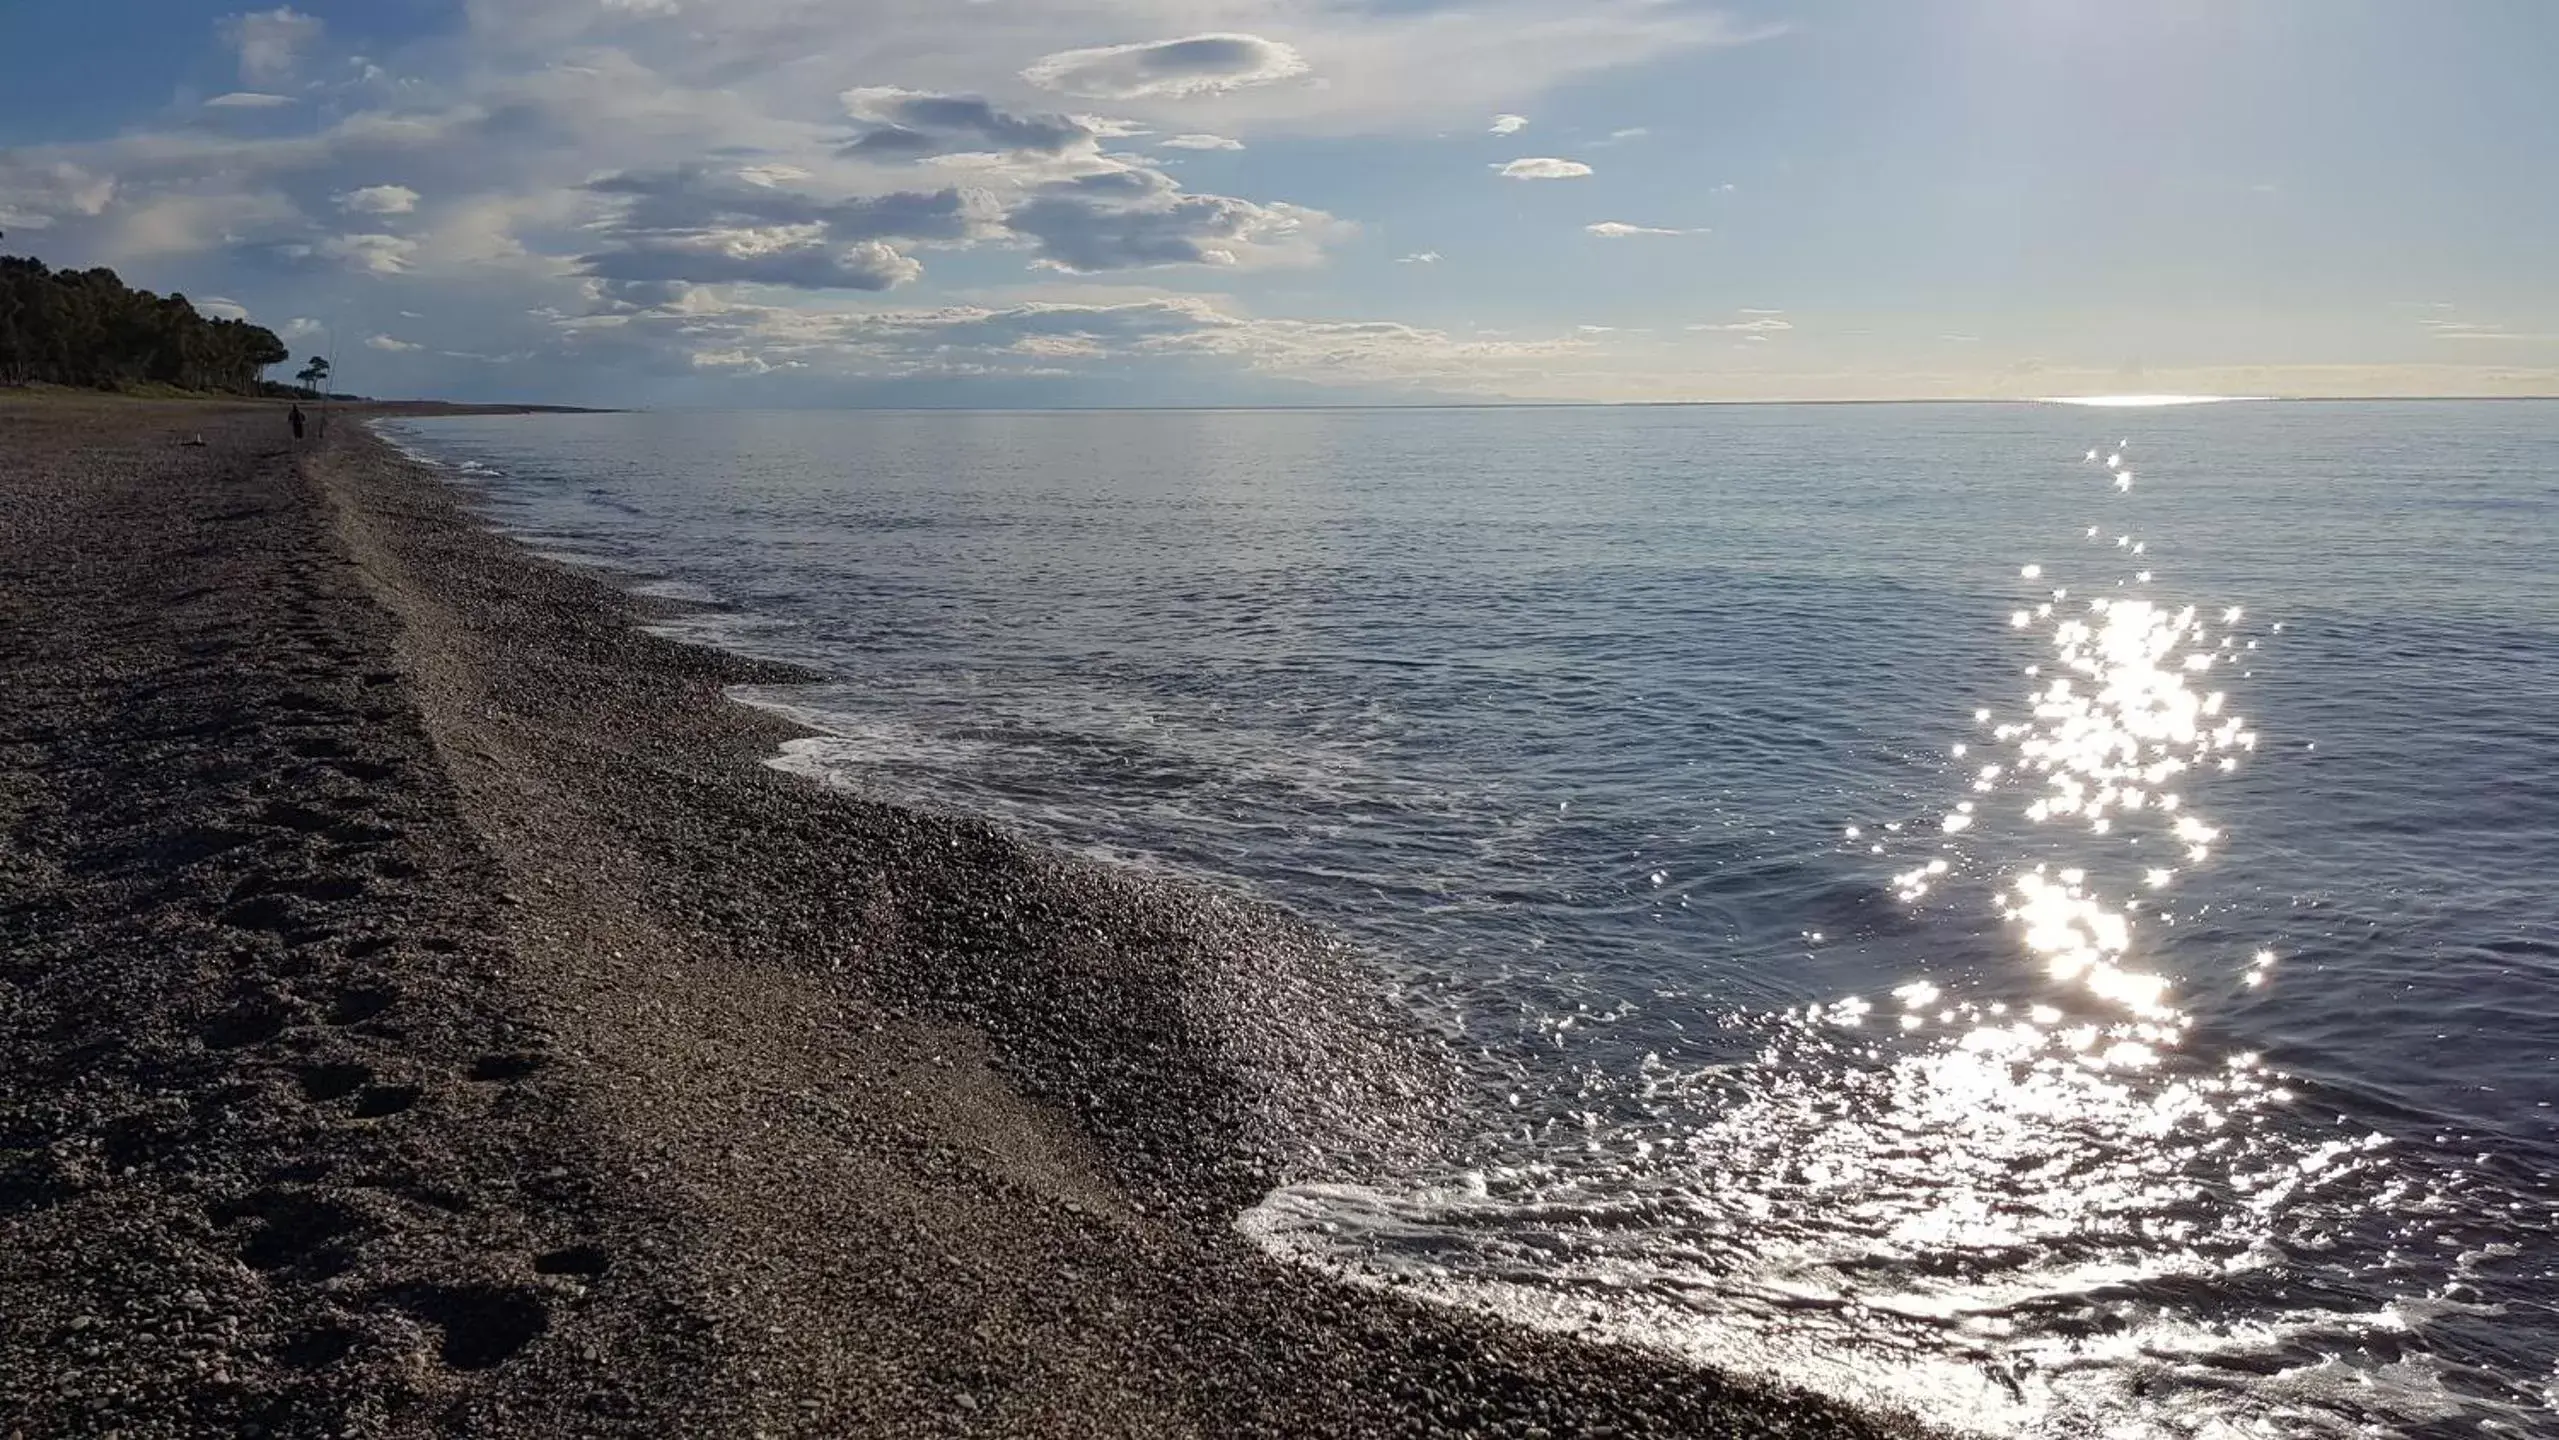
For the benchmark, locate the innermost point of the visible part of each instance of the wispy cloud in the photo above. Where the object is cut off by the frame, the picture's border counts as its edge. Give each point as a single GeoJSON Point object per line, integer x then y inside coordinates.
{"type": "Point", "coordinates": [1542, 167]}
{"type": "Point", "coordinates": [1199, 142]}
{"type": "Point", "coordinates": [391, 343]}
{"type": "Point", "coordinates": [270, 43]}
{"type": "Point", "coordinates": [1759, 322]}
{"type": "Point", "coordinates": [2484, 330]}
{"type": "Point", "coordinates": [1620, 230]}
{"type": "Point", "coordinates": [1419, 257]}
{"type": "Point", "coordinates": [248, 100]}
{"type": "Point", "coordinates": [1509, 124]}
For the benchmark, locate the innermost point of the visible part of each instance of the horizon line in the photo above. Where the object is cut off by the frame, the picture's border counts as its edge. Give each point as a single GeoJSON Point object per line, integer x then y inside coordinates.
{"type": "Point", "coordinates": [2085, 402]}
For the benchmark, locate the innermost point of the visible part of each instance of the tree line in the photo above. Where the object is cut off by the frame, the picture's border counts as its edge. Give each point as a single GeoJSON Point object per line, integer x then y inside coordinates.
{"type": "Point", "coordinates": [89, 328]}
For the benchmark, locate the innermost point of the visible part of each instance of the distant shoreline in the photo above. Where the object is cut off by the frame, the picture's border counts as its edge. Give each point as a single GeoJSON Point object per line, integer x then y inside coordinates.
{"type": "Point", "coordinates": [69, 396]}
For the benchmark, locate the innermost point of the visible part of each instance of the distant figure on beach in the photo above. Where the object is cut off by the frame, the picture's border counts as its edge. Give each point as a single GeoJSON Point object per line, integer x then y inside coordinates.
{"type": "Point", "coordinates": [293, 417]}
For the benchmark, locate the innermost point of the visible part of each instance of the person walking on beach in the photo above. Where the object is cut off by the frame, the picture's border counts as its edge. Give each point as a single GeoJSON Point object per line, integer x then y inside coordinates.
{"type": "Point", "coordinates": [293, 417]}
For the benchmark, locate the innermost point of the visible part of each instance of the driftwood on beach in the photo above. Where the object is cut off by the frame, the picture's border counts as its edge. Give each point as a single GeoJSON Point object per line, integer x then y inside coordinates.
{"type": "Point", "coordinates": [421, 1012]}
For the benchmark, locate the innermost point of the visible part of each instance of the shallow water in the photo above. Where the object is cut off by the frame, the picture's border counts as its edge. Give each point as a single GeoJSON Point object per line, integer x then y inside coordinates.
{"type": "Point", "coordinates": [2058, 941]}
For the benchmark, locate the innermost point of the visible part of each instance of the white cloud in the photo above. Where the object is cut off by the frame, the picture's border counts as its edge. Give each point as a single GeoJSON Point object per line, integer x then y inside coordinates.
{"type": "Point", "coordinates": [378, 200]}
{"type": "Point", "coordinates": [270, 42]}
{"type": "Point", "coordinates": [373, 254]}
{"type": "Point", "coordinates": [1199, 142]}
{"type": "Point", "coordinates": [1631, 132]}
{"type": "Point", "coordinates": [1420, 257]}
{"type": "Point", "coordinates": [1194, 65]}
{"type": "Point", "coordinates": [386, 342]}
{"type": "Point", "coordinates": [1543, 167]}
{"type": "Point", "coordinates": [248, 100]}
{"type": "Point", "coordinates": [216, 307]}
{"type": "Point", "coordinates": [1620, 230]}
{"type": "Point", "coordinates": [1509, 124]}
{"type": "Point", "coordinates": [300, 327]}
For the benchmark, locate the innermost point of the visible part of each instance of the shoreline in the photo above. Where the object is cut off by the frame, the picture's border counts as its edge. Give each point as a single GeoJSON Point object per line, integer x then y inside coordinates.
{"type": "Point", "coordinates": [427, 1013]}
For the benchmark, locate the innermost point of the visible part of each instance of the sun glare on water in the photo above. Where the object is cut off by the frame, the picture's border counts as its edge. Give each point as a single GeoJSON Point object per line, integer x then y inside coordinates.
{"type": "Point", "coordinates": [1896, 1200]}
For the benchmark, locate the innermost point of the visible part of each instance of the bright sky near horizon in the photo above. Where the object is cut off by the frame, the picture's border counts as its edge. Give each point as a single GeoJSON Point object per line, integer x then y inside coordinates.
{"type": "Point", "coordinates": [1063, 202]}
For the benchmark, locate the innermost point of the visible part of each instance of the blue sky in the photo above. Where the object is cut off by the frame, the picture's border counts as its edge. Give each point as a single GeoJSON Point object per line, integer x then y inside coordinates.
{"type": "Point", "coordinates": [1005, 202]}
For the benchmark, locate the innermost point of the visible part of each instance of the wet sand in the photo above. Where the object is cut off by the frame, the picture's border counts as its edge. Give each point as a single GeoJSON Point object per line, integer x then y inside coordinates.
{"type": "Point", "coordinates": [422, 1012]}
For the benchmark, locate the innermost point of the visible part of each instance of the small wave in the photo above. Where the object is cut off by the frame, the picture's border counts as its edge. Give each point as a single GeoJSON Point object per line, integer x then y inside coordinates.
{"type": "Point", "coordinates": [401, 444]}
{"type": "Point", "coordinates": [683, 592]}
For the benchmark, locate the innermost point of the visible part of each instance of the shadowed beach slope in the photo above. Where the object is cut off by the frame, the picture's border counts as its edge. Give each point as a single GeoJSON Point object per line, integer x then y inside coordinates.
{"type": "Point", "coordinates": [421, 1012]}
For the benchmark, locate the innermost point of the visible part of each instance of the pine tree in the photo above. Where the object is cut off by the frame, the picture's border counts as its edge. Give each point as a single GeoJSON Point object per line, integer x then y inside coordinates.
{"type": "Point", "coordinates": [87, 327]}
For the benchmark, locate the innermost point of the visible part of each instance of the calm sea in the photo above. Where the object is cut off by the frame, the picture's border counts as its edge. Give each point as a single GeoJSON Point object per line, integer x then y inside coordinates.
{"type": "Point", "coordinates": [2042, 917]}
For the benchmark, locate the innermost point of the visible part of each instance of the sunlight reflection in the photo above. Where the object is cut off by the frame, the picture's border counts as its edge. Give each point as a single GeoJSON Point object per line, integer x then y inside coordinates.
{"type": "Point", "coordinates": [1983, 1192]}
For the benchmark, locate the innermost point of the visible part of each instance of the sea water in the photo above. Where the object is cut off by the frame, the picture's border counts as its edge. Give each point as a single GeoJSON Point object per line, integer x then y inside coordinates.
{"type": "Point", "coordinates": [2037, 917]}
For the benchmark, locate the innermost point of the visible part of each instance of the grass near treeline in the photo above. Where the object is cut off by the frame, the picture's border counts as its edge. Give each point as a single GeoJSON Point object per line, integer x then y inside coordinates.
{"type": "Point", "coordinates": [81, 395]}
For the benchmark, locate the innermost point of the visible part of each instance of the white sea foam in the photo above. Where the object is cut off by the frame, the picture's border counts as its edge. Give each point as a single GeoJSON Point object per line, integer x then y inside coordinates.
{"type": "Point", "coordinates": [402, 443]}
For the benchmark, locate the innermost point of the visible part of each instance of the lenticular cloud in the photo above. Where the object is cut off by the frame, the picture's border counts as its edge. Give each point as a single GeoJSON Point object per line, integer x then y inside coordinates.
{"type": "Point", "coordinates": [1543, 167]}
{"type": "Point", "coordinates": [1197, 65]}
